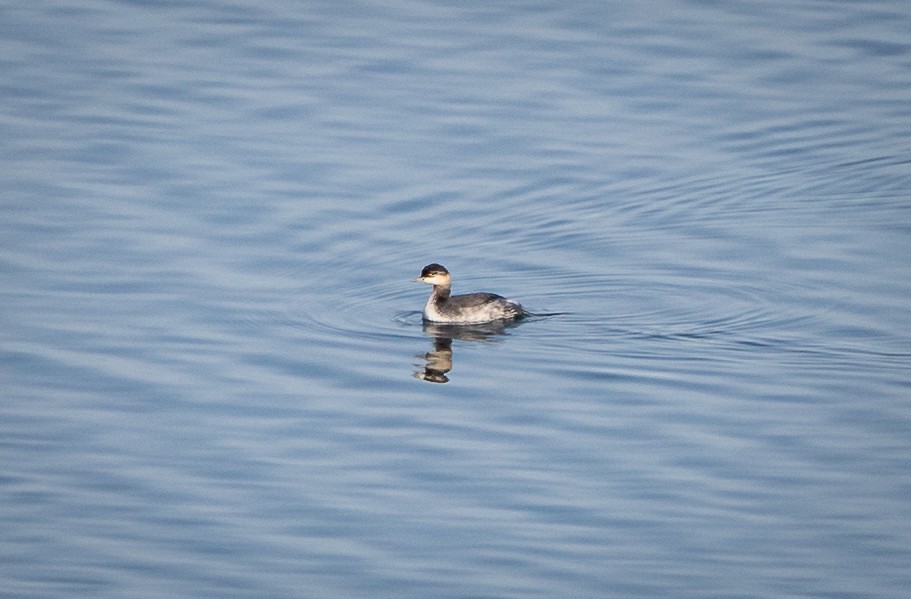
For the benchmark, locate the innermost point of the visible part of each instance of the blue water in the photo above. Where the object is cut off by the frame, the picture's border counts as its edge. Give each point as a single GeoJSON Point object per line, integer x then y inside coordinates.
{"type": "Point", "coordinates": [214, 379]}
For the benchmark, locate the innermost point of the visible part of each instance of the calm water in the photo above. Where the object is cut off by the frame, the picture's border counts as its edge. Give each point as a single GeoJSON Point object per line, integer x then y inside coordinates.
{"type": "Point", "coordinates": [215, 380]}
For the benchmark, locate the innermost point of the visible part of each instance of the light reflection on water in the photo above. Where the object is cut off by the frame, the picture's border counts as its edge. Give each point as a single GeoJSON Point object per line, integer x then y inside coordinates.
{"type": "Point", "coordinates": [214, 367]}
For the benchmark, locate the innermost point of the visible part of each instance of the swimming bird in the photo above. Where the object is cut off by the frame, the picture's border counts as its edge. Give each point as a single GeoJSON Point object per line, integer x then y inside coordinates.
{"type": "Point", "coordinates": [469, 308]}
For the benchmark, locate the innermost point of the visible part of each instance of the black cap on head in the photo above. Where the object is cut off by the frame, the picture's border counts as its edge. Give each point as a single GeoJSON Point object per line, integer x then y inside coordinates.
{"type": "Point", "coordinates": [432, 268]}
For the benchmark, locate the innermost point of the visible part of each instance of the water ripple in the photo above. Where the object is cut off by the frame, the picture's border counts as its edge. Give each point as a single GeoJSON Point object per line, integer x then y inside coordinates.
{"type": "Point", "coordinates": [374, 312]}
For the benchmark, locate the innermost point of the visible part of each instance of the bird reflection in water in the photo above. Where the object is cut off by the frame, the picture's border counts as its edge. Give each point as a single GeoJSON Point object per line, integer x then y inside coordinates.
{"type": "Point", "coordinates": [438, 361]}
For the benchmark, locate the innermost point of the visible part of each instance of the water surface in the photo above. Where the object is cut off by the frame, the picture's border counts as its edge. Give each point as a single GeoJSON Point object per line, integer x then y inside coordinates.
{"type": "Point", "coordinates": [215, 378]}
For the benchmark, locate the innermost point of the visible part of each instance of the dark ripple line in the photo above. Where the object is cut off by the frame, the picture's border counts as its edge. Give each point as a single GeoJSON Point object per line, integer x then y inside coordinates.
{"type": "Point", "coordinates": [360, 316]}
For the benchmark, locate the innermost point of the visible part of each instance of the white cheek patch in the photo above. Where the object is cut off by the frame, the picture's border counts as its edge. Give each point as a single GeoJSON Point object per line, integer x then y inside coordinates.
{"type": "Point", "coordinates": [435, 279]}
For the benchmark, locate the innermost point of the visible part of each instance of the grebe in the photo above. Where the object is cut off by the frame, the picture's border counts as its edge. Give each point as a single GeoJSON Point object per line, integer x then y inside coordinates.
{"type": "Point", "coordinates": [471, 308]}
